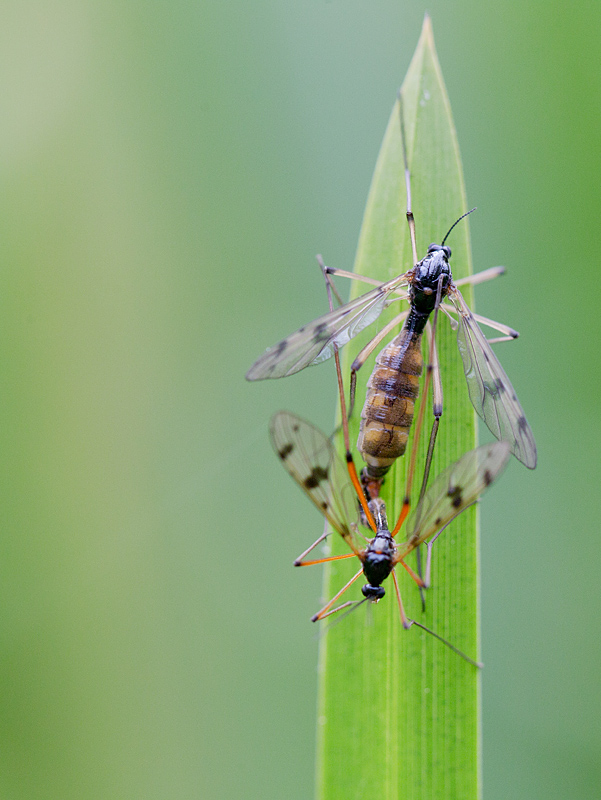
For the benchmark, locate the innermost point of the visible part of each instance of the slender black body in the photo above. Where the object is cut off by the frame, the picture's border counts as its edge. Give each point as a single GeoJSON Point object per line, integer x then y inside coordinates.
{"type": "Point", "coordinates": [378, 560]}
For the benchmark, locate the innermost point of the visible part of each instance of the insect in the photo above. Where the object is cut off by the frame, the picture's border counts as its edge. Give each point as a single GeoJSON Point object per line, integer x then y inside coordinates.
{"type": "Point", "coordinates": [309, 457]}
{"type": "Point", "coordinates": [394, 384]}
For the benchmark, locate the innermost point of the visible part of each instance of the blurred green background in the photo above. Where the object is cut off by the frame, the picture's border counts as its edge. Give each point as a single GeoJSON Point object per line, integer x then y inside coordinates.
{"type": "Point", "coordinates": [169, 171]}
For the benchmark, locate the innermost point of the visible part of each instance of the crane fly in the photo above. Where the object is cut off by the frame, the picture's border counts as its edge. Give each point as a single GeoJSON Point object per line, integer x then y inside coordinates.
{"type": "Point", "coordinates": [394, 384]}
{"type": "Point", "coordinates": [309, 457]}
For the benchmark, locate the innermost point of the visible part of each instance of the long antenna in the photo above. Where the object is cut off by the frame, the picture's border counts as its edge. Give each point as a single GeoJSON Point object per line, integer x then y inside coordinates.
{"type": "Point", "coordinates": [455, 223]}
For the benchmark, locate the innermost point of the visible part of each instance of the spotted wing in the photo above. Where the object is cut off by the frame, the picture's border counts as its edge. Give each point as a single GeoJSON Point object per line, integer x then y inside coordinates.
{"type": "Point", "coordinates": [454, 490]}
{"type": "Point", "coordinates": [490, 389]}
{"type": "Point", "coordinates": [307, 454]}
{"type": "Point", "coordinates": [315, 342]}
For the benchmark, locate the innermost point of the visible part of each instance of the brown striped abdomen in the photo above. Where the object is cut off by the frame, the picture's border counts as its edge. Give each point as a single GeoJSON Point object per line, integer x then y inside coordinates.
{"type": "Point", "coordinates": [388, 411]}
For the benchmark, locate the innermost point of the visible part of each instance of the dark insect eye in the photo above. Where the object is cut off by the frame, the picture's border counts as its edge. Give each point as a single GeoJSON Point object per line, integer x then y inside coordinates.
{"type": "Point", "coordinates": [447, 251]}
{"type": "Point", "coordinates": [433, 247]}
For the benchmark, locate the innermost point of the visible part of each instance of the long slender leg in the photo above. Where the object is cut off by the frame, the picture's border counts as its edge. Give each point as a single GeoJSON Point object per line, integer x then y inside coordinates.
{"type": "Point", "coordinates": [429, 456]}
{"type": "Point", "coordinates": [345, 431]}
{"type": "Point", "coordinates": [452, 321]}
{"type": "Point", "coordinates": [354, 276]}
{"type": "Point", "coordinates": [352, 471]}
{"type": "Point", "coordinates": [437, 395]}
{"type": "Point", "coordinates": [339, 608]}
{"type": "Point", "coordinates": [347, 445]}
{"type": "Point", "coordinates": [427, 467]}
{"type": "Point", "coordinates": [320, 614]}
{"type": "Point", "coordinates": [324, 535]}
{"type": "Point", "coordinates": [408, 623]}
{"type": "Point", "coordinates": [404, 619]}
{"type": "Point", "coordinates": [452, 647]}
{"type": "Point", "coordinates": [350, 605]}
{"type": "Point", "coordinates": [418, 551]}
{"type": "Point", "coordinates": [330, 285]}
{"type": "Point", "coordinates": [498, 339]}
{"type": "Point", "coordinates": [422, 589]}
{"type": "Point", "coordinates": [472, 280]}
{"type": "Point", "coordinates": [432, 358]}
{"type": "Point", "coordinates": [410, 219]}
{"type": "Point", "coordinates": [437, 407]}
{"type": "Point", "coordinates": [497, 326]}
{"type": "Point", "coordinates": [508, 333]}
{"type": "Point", "coordinates": [480, 277]}
{"type": "Point", "coordinates": [429, 546]}
{"type": "Point", "coordinates": [415, 577]}
{"type": "Point", "coordinates": [298, 563]}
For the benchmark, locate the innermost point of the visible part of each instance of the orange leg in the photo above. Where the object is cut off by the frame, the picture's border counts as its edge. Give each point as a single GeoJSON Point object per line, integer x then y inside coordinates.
{"type": "Point", "coordinates": [321, 614]}
{"type": "Point", "coordinates": [415, 577]}
{"type": "Point", "coordinates": [323, 560]}
{"type": "Point", "coordinates": [345, 431]}
{"type": "Point", "coordinates": [359, 489]}
{"type": "Point", "coordinates": [404, 620]}
{"type": "Point", "coordinates": [339, 608]}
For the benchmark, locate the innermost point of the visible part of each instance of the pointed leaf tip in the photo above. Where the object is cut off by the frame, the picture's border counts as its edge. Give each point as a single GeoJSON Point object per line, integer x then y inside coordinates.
{"type": "Point", "coordinates": [427, 30]}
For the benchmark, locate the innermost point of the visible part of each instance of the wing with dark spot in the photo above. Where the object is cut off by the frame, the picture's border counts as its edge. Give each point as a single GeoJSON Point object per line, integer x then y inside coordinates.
{"type": "Point", "coordinates": [456, 488]}
{"type": "Point", "coordinates": [490, 389]}
{"type": "Point", "coordinates": [307, 454]}
{"type": "Point", "coordinates": [315, 342]}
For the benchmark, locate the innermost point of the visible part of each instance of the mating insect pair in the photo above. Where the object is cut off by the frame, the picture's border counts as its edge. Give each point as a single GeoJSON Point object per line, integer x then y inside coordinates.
{"type": "Point", "coordinates": [389, 408]}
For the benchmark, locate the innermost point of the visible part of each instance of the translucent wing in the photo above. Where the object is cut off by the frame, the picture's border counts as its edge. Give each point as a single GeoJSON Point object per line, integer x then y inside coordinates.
{"type": "Point", "coordinates": [307, 454]}
{"type": "Point", "coordinates": [315, 342]}
{"type": "Point", "coordinates": [490, 389]}
{"type": "Point", "coordinates": [454, 490]}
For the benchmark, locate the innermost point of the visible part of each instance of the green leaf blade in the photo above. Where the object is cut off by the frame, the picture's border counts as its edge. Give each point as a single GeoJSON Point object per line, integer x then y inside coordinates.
{"type": "Point", "coordinates": [398, 711]}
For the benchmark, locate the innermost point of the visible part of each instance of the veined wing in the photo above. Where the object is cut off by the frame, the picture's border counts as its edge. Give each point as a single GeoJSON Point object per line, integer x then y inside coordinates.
{"type": "Point", "coordinates": [315, 342]}
{"type": "Point", "coordinates": [307, 454]}
{"type": "Point", "coordinates": [490, 389]}
{"type": "Point", "coordinates": [456, 488]}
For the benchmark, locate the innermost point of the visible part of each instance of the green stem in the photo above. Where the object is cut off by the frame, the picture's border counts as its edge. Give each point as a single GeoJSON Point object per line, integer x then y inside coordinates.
{"type": "Point", "coordinates": [398, 711]}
